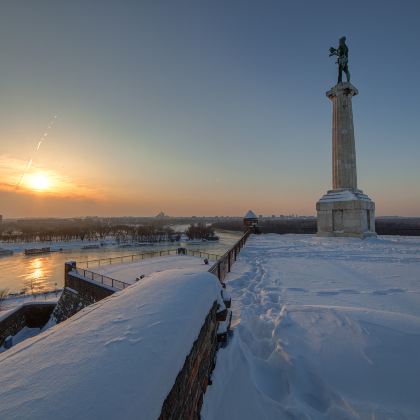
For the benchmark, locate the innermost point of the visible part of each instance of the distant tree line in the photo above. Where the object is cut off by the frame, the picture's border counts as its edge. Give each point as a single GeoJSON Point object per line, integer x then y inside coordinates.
{"type": "Point", "coordinates": [199, 230]}
{"type": "Point", "coordinates": [89, 230]}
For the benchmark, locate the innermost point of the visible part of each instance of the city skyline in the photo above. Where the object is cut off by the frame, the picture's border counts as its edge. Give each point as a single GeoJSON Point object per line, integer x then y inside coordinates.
{"type": "Point", "coordinates": [200, 107]}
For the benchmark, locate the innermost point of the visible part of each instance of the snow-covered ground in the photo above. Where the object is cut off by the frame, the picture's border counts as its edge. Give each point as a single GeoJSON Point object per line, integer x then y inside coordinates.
{"type": "Point", "coordinates": [325, 328]}
{"type": "Point", "coordinates": [128, 272]}
{"type": "Point", "coordinates": [112, 359]}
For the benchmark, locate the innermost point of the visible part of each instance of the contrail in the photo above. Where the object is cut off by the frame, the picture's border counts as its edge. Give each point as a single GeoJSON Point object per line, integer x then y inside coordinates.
{"type": "Point", "coordinates": [43, 138]}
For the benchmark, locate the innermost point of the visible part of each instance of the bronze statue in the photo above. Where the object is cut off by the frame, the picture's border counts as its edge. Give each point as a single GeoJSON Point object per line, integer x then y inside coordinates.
{"type": "Point", "coordinates": [342, 52]}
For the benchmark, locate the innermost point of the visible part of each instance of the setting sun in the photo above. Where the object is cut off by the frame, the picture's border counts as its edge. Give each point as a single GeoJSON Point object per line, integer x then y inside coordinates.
{"type": "Point", "coordinates": [39, 182]}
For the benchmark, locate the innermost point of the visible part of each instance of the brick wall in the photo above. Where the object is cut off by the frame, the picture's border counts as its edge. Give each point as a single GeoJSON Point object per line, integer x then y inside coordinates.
{"type": "Point", "coordinates": [185, 399]}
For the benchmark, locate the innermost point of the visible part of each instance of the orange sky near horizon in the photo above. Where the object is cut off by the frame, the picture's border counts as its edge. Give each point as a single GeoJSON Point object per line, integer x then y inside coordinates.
{"type": "Point", "coordinates": [85, 182]}
{"type": "Point", "coordinates": [72, 195]}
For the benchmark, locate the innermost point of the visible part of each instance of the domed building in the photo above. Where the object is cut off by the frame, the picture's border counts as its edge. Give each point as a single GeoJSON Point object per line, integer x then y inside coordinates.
{"type": "Point", "coordinates": [250, 219]}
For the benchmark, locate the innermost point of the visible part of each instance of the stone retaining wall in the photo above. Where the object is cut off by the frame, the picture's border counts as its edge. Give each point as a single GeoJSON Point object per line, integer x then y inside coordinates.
{"type": "Point", "coordinates": [70, 303]}
{"type": "Point", "coordinates": [31, 315]}
{"type": "Point", "coordinates": [89, 291]}
{"type": "Point", "coordinates": [77, 294]}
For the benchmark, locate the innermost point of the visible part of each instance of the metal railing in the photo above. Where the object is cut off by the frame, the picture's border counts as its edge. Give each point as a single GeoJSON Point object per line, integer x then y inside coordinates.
{"type": "Point", "coordinates": [220, 268]}
{"type": "Point", "coordinates": [145, 255]}
{"type": "Point", "coordinates": [100, 278]}
{"type": "Point", "coordinates": [120, 285]}
{"type": "Point", "coordinates": [224, 263]}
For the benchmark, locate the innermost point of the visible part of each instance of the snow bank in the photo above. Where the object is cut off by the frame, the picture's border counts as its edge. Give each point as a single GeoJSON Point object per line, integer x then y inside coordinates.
{"type": "Point", "coordinates": [325, 328]}
{"type": "Point", "coordinates": [115, 359]}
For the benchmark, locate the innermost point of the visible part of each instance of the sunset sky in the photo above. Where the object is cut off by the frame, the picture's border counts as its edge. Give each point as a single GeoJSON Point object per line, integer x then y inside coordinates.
{"type": "Point", "coordinates": [201, 107]}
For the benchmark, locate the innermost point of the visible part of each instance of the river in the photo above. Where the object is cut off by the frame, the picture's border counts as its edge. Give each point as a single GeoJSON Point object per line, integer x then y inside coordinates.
{"type": "Point", "coordinates": [46, 272]}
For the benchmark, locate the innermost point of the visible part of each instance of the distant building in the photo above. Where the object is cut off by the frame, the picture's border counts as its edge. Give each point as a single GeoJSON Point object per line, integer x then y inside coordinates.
{"type": "Point", "coordinates": [250, 219]}
{"type": "Point", "coordinates": [162, 215]}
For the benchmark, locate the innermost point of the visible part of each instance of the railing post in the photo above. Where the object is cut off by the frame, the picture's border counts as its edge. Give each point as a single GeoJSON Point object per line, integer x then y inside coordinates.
{"type": "Point", "coordinates": [68, 266]}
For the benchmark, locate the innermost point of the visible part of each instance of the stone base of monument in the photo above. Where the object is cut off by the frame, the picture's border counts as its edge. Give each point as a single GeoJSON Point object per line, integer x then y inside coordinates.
{"type": "Point", "coordinates": [345, 212]}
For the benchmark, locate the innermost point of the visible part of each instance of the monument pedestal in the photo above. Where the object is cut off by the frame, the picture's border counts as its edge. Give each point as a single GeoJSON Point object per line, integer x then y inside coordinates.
{"type": "Point", "coordinates": [346, 213]}
{"type": "Point", "coordinates": [344, 210]}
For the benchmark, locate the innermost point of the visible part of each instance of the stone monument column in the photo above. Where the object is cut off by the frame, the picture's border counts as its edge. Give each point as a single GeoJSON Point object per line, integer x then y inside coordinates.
{"type": "Point", "coordinates": [344, 210]}
{"type": "Point", "coordinates": [343, 147]}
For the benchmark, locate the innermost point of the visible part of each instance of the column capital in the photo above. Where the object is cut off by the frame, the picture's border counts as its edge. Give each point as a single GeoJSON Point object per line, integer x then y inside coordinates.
{"type": "Point", "coordinates": [342, 89]}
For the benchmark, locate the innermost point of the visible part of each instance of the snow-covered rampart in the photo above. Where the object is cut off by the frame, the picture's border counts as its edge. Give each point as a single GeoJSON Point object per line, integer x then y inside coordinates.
{"type": "Point", "coordinates": [120, 357]}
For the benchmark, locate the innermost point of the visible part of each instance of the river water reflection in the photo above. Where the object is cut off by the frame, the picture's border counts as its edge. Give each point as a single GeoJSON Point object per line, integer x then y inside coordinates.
{"type": "Point", "coordinates": [46, 272]}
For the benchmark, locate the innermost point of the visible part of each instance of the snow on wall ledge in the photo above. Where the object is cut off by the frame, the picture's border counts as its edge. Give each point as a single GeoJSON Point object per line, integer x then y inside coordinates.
{"type": "Point", "coordinates": [117, 358]}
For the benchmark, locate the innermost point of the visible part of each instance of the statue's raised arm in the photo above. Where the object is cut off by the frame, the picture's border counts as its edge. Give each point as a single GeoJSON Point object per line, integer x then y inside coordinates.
{"type": "Point", "coordinates": [342, 52]}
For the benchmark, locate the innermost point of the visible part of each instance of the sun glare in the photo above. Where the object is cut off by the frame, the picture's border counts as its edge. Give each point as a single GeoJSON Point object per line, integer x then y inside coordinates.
{"type": "Point", "coordinates": [39, 182]}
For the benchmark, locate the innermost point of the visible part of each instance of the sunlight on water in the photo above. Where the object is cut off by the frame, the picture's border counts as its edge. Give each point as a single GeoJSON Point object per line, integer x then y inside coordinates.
{"type": "Point", "coordinates": [36, 278]}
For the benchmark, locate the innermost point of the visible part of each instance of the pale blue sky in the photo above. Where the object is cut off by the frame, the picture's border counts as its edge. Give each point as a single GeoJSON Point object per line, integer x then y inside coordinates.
{"type": "Point", "coordinates": [207, 107]}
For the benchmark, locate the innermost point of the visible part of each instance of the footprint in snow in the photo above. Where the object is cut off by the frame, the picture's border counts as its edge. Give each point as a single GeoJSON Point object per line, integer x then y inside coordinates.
{"type": "Point", "coordinates": [114, 341]}
{"type": "Point", "coordinates": [296, 289]}
{"type": "Point", "coordinates": [327, 293]}
{"type": "Point", "coordinates": [119, 320]}
{"type": "Point", "coordinates": [388, 291]}
{"type": "Point", "coordinates": [349, 291]}
{"type": "Point", "coordinates": [135, 340]}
